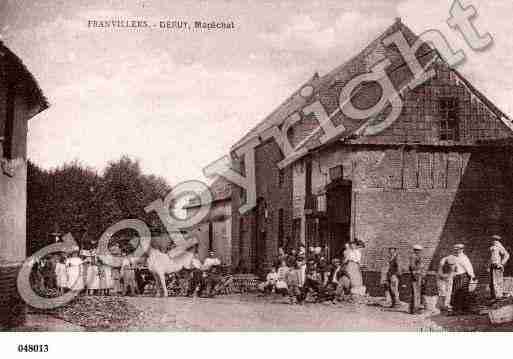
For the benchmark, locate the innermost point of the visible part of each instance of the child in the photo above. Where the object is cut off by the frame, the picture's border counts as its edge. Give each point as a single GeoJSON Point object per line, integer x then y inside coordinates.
{"type": "Point", "coordinates": [105, 274]}
{"type": "Point", "coordinates": [281, 278]}
{"type": "Point", "coordinates": [61, 275]}
{"type": "Point", "coordinates": [74, 269]}
{"type": "Point", "coordinates": [93, 277]}
{"type": "Point", "coordinates": [293, 284]}
{"type": "Point", "coordinates": [313, 282]}
{"type": "Point", "coordinates": [128, 272]}
{"type": "Point", "coordinates": [269, 286]}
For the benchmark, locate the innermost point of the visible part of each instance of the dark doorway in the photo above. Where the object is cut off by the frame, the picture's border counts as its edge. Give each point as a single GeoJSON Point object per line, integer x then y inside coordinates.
{"type": "Point", "coordinates": [260, 236]}
{"type": "Point", "coordinates": [8, 149]}
{"type": "Point", "coordinates": [339, 216]}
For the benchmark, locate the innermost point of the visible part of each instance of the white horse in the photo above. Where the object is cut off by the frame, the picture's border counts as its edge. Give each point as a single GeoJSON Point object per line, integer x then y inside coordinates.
{"type": "Point", "coordinates": [160, 264]}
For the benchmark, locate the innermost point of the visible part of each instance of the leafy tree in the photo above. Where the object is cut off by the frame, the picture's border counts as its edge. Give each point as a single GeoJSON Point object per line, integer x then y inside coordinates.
{"type": "Point", "coordinates": [76, 199]}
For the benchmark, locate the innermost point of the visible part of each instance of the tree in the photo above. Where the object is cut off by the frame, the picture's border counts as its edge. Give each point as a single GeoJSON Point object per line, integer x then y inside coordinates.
{"type": "Point", "coordinates": [84, 203]}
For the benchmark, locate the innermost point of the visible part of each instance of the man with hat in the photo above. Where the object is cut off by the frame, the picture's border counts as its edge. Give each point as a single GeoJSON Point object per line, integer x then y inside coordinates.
{"type": "Point", "coordinates": [499, 256]}
{"type": "Point", "coordinates": [464, 274]}
{"type": "Point", "coordinates": [416, 269]}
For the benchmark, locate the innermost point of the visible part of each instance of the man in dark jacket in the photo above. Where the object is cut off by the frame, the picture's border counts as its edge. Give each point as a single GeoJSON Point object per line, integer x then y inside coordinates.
{"type": "Point", "coordinates": [391, 277]}
{"type": "Point", "coordinates": [416, 268]}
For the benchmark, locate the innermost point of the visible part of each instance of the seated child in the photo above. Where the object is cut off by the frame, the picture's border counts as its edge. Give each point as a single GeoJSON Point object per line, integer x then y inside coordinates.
{"type": "Point", "coordinates": [281, 280]}
{"type": "Point", "coordinates": [269, 286]}
{"type": "Point", "coordinates": [313, 282]}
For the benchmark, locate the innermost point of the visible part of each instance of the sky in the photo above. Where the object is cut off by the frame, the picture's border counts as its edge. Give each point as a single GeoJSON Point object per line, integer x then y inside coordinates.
{"type": "Point", "coordinates": [177, 100]}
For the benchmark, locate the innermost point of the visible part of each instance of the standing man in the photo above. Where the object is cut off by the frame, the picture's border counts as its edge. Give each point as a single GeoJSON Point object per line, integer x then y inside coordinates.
{"type": "Point", "coordinates": [416, 269]}
{"type": "Point", "coordinates": [391, 277]}
{"type": "Point", "coordinates": [499, 256]}
{"type": "Point", "coordinates": [463, 276]}
{"type": "Point", "coordinates": [195, 274]}
{"type": "Point", "coordinates": [446, 272]}
{"type": "Point", "coordinates": [302, 271]}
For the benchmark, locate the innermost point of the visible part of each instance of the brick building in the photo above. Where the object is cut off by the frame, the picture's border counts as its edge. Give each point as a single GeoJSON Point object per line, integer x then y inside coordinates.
{"type": "Point", "coordinates": [214, 232]}
{"type": "Point", "coordinates": [439, 174]}
{"type": "Point", "coordinates": [20, 99]}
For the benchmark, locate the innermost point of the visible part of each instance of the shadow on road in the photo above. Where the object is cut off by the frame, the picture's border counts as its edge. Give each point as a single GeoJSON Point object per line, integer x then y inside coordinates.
{"type": "Point", "coordinates": [469, 323]}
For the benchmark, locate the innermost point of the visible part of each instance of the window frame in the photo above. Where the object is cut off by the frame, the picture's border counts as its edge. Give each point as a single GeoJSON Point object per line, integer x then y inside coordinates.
{"type": "Point", "coordinates": [448, 110]}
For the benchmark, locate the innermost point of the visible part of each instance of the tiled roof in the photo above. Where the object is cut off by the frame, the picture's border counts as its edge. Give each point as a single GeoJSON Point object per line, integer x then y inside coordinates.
{"type": "Point", "coordinates": [221, 190]}
{"type": "Point", "coordinates": [362, 62]}
{"type": "Point", "coordinates": [25, 75]}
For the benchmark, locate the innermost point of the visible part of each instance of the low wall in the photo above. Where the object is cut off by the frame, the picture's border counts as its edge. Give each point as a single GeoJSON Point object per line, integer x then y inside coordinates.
{"type": "Point", "coordinates": [12, 308]}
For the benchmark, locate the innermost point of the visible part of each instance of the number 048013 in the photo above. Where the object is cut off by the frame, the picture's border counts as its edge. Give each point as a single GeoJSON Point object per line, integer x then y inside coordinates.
{"type": "Point", "coordinates": [33, 348]}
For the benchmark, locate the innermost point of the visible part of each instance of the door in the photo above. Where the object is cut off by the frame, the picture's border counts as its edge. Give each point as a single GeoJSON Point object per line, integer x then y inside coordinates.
{"type": "Point", "coordinates": [339, 217]}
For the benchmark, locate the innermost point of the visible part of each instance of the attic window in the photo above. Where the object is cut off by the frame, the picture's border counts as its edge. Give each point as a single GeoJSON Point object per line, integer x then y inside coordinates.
{"type": "Point", "coordinates": [449, 121]}
{"type": "Point", "coordinates": [335, 173]}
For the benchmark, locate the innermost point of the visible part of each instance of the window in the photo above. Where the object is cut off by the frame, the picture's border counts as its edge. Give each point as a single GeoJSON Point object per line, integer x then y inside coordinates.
{"type": "Point", "coordinates": [281, 176]}
{"type": "Point", "coordinates": [210, 236]}
{"type": "Point", "coordinates": [9, 124]}
{"type": "Point", "coordinates": [296, 231]}
{"type": "Point", "coordinates": [335, 173]}
{"type": "Point", "coordinates": [241, 236]}
{"type": "Point", "coordinates": [449, 122]}
{"type": "Point", "coordinates": [280, 227]}
{"type": "Point", "coordinates": [243, 197]}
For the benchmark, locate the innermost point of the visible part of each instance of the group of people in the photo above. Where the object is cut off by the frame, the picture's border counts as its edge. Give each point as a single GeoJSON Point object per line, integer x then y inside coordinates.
{"type": "Point", "coordinates": [455, 276]}
{"type": "Point", "coordinates": [300, 274]}
{"type": "Point", "coordinates": [84, 271]}
{"type": "Point", "coordinates": [204, 276]}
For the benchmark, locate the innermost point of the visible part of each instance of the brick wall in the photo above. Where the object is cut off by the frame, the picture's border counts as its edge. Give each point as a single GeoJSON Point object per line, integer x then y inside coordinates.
{"type": "Point", "coordinates": [275, 197]}
{"type": "Point", "coordinates": [437, 193]}
{"type": "Point", "coordinates": [436, 197]}
{"type": "Point", "coordinates": [221, 226]}
{"type": "Point", "coordinates": [13, 192]}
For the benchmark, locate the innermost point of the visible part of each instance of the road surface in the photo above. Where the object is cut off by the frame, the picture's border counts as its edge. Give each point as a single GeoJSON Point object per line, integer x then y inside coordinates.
{"type": "Point", "coordinates": [250, 313]}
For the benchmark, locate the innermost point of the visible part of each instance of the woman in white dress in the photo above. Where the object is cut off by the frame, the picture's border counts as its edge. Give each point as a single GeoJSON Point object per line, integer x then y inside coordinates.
{"type": "Point", "coordinates": [61, 275]}
{"type": "Point", "coordinates": [93, 277]}
{"type": "Point", "coordinates": [74, 269]}
{"type": "Point", "coordinates": [352, 281]}
{"type": "Point", "coordinates": [106, 282]}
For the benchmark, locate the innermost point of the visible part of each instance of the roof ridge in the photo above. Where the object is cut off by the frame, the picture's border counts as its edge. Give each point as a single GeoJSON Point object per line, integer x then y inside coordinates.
{"type": "Point", "coordinates": [279, 107]}
{"type": "Point", "coordinates": [396, 26]}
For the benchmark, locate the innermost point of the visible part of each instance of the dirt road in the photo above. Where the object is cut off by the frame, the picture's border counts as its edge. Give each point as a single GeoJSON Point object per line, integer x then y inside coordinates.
{"type": "Point", "coordinates": [248, 313]}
